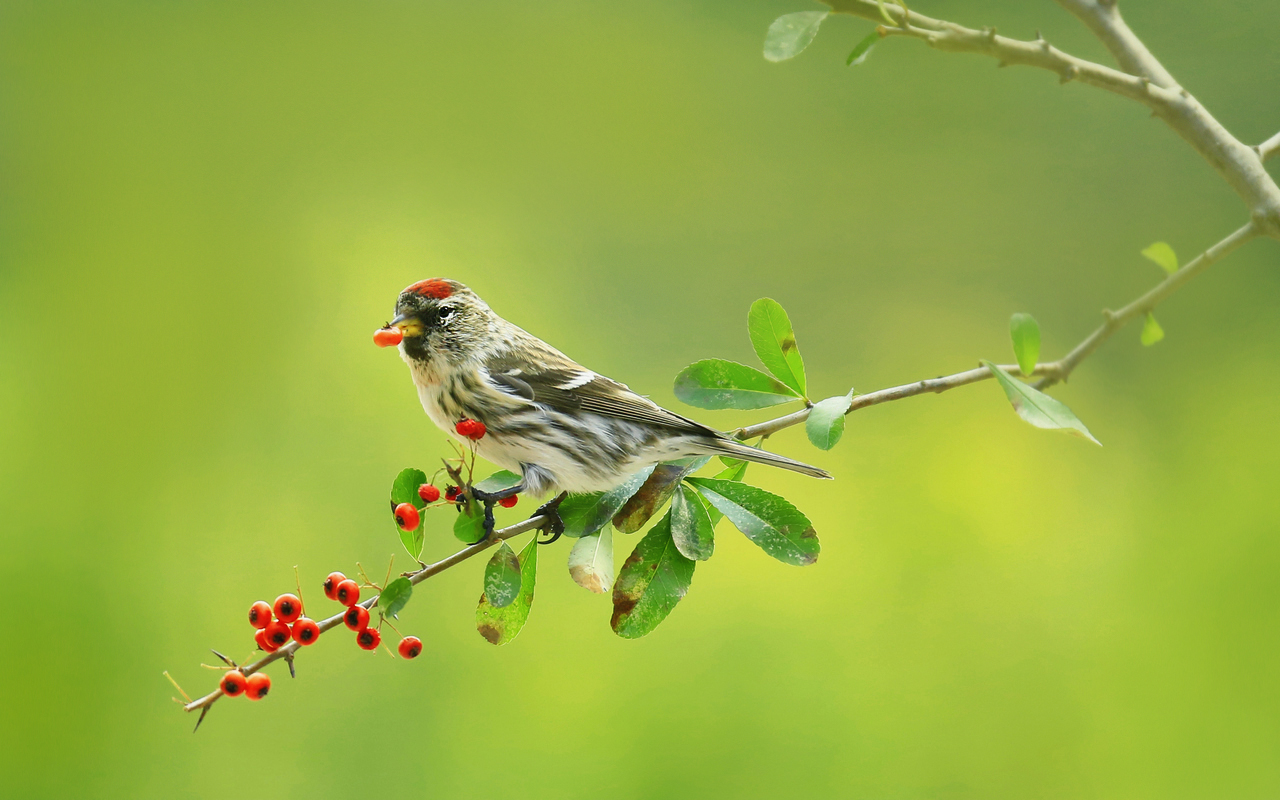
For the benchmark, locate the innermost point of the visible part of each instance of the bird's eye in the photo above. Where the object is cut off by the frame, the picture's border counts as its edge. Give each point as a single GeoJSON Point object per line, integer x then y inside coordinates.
{"type": "Point", "coordinates": [445, 314]}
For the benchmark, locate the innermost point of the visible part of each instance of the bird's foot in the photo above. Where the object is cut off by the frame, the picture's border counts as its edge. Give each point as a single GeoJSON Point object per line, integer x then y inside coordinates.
{"type": "Point", "coordinates": [551, 522]}
{"type": "Point", "coordinates": [489, 499]}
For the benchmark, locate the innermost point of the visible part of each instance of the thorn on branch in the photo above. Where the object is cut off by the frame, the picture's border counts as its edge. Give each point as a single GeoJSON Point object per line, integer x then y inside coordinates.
{"type": "Point", "coordinates": [289, 658]}
{"type": "Point", "coordinates": [203, 711]}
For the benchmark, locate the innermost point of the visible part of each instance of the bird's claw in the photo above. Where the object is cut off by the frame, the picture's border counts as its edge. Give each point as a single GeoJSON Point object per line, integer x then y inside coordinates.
{"type": "Point", "coordinates": [552, 522]}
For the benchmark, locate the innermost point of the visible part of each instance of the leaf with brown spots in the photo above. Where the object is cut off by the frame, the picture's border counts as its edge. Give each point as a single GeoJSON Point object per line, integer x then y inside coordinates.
{"type": "Point", "coordinates": [765, 518]}
{"type": "Point", "coordinates": [775, 343]}
{"type": "Point", "coordinates": [654, 578]}
{"type": "Point", "coordinates": [655, 493]}
{"type": "Point", "coordinates": [500, 625]}
{"type": "Point", "coordinates": [691, 527]}
{"type": "Point", "coordinates": [584, 514]}
{"type": "Point", "coordinates": [502, 577]}
{"type": "Point", "coordinates": [591, 561]}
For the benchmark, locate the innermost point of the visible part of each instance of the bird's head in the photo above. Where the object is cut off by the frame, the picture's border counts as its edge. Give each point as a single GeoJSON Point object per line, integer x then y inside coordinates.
{"type": "Point", "coordinates": [441, 318]}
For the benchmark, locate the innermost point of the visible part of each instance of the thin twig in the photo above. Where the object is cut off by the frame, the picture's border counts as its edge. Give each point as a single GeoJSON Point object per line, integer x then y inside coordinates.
{"type": "Point", "coordinates": [1049, 372]}
{"type": "Point", "coordinates": [1269, 148]}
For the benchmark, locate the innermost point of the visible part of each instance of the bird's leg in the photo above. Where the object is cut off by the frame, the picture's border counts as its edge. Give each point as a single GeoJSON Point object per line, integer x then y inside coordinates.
{"type": "Point", "coordinates": [489, 498]}
{"type": "Point", "coordinates": [553, 524]}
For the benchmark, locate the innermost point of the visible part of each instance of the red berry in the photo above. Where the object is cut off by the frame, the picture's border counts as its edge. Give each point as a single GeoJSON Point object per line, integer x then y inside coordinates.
{"type": "Point", "coordinates": [452, 493]}
{"type": "Point", "coordinates": [278, 634]}
{"type": "Point", "coordinates": [305, 631]}
{"type": "Point", "coordinates": [428, 493]}
{"type": "Point", "coordinates": [258, 685]}
{"type": "Point", "coordinates": [347, 593]}
{"type": "Point", "coordinates": [508, 502]}
{"type": "Point", "coordinates": [387, 337]}
{"type": "Point", "coordinates": [232, 683]}
{"type": "Point", "coordinates": [471, 428]}
{"type": "Point", "coordinates": [260, 614]}
{"type": "Point", "coordinates": [356, 618]}
{"type": "Point", "coordinates": [331, 584]}
{"type": "Point", "coordinates": [407, 516]}
{"type": "Point", "coordinates": [288, 607]}
{"type": "Point", "coordinates": [369, 639]}
{"type": "Point", "coordinates": [410, 647]}
{"type": "Point", "coordinates": [261, 638]}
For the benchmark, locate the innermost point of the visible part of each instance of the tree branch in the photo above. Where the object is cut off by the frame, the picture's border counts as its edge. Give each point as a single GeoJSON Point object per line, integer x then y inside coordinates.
{"type": "Point", "coordinates": [1049, 372]}
{"type": "Point", "coordinates": [1238, 164]}
{"type": "Point", "coordinates": [1268, 148]}
{"type": "Point", "coordinates": [287, 651]}
{"type": "Point", "coordinates": [1103, 18]}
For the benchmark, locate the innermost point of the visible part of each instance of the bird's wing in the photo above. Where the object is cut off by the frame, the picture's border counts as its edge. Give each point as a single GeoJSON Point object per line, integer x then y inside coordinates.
{"type": "Point", "coordinates": [568, 387]}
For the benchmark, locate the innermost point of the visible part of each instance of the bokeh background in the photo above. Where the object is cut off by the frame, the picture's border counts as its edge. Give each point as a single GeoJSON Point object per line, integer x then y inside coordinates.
{"type": "Point", "coordinates": [207, 207]}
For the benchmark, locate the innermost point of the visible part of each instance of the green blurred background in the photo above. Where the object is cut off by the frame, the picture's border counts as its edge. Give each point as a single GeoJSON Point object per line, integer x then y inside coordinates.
{"type": "Point", "coordinates": [207, 208]}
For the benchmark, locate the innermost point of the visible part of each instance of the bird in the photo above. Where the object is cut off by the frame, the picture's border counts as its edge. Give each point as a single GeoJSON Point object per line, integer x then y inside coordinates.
{"type": "Point", "coordinates": [560, 426]}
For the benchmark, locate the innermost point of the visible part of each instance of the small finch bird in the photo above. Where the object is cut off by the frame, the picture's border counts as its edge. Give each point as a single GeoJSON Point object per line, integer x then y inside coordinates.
{"type": "Point", "coordinates": [557, 424]}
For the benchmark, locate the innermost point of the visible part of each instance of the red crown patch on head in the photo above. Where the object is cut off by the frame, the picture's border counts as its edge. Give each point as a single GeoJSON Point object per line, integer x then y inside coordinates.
{"type": "Point", "coordinates": [433, 288]}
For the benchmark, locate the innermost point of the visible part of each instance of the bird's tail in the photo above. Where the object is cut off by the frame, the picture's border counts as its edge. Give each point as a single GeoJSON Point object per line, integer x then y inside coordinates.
{"type": "Point", "coordinates": [734, 449]}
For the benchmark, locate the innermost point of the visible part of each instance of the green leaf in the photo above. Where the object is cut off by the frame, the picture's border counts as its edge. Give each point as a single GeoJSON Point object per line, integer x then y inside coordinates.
{"type": "Point", "coordinates": [1151, 330]}
{"type": "Point", "coordinates": [502, 577]}
{"type": "Point", "coordinates": [584, 514]}
{"type": "Point", "coordinates": [733, 473]}
{"type": "Point", "coordinates": [591, 561]}
{"type": "Point", "coordinates": [394, 597]}
{"type": "Point", "coordinates": [825, 424]}
{"type": "Point", "coordinates": [863, 49]}
{"type": "Point", "coordinates": [1162, 254]}
{"type": "Point", "coordinates": [790, 34]}
{"type": "Point", "coordinates": [415, 539]}
{"type": "Point", "coordinates": [715, 383]}
{"type": "Point", "coordinates": [691, 527]}
{"type": "Point", "coordinates": [655, 493]}
{"type": "Point", "coordinates": [775, 342]}
{"type": "Point", "coordinates": [499, 481]}
{"type": "Point", "coordinates": [500, 625]}
{"type": "Point", "coordinates": [653, 579]}
{"type": "Point", "coordinates": [405, 487]}
{"type": "Point", "coordinates": [765, 518]}
{"type": "Point", "coordinates": [469, 524]}
{"type": "Point", "coordinates": [1025, 333]}
{"type": "Point", "coordinates": [1038, 408]}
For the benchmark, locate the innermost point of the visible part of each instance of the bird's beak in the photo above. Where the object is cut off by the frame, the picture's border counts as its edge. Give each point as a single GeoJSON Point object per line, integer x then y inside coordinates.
{"type": "Point", "coordinates": [408, 325]}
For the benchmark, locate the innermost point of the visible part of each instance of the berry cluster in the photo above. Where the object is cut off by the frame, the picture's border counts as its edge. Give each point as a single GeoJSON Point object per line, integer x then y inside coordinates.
{"type": "Point", "coordinates": [341, 588]}
{"type": "Point", "coordinates": [408, 516]}
{"type": "Point", "coordinates": [288, 623]}
{"type": "Point", "coordinates": [471, 428]}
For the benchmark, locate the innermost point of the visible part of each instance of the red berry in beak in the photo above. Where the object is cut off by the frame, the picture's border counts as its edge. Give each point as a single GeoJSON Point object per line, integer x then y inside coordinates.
{"type": "Point", "coordinates": [233, 683]}
{"type": "Point", "coordinates": [258, 685]}
{"type": "Point", "coordinates": [305, 631]}
{"type": "Point", "coordinates": [428, 493]}
{"type": "Point", "coordinates": [356, 618]}
{"type": "Point", "coordinates": [347, 593]}
{"type": "Point", "coordinates": [260, 614]}
{"type": "Point", "coordinates": [288, 607]}
{"type": "Point", "coordinates": [331, 584]}
{"type": "Point", "coordinates": [410, 647]}
{"type": "Point", "coordinates": [387, 337]}
{"type": "Point", "coordinates": [407, 516]}
{"type": "Point", "coordinates": [369, 639]}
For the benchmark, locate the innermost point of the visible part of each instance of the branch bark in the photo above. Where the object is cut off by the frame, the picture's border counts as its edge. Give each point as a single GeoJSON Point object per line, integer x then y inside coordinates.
{"type": "Point", "coordinates": [1269, 148]}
